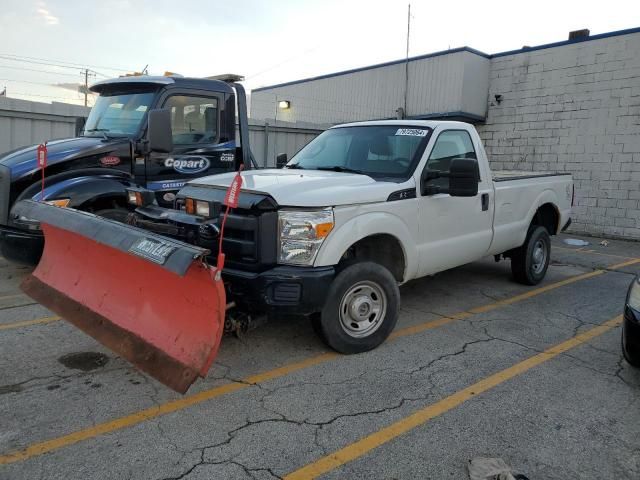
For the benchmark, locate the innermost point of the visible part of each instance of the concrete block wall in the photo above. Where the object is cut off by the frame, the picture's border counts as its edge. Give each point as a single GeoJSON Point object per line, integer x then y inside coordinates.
{"type": "Point", "coordinates": [574, 108]}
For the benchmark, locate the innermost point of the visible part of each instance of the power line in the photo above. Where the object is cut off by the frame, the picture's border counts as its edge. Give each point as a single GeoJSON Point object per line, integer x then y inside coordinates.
{"type": "Point", "coordinates": [13, 80]}
{"type": "Point", "coordinates": [24, 94]}
{"type": "Point", "coordinates": [73, 64]}
{"type": "Point", "coordinates": [48, 72]}
{"type": "Point", "coordinates": [4, 57]}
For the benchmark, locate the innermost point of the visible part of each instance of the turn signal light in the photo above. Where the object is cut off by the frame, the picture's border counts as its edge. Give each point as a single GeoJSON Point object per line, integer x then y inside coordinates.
{"type": "Point", "coordinates": [140, 198]}
{"type": "Point", "coordinates": [189, 206]}
{"type": "Point", "coordinates": [61, 202]}
{"type": "Point", "coordinates": [323, 229]}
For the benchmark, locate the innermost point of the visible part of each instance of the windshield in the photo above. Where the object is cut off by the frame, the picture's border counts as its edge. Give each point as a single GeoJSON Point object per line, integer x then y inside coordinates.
{"type": "Point", "coordinates": [376, 150]}
{"type": "Point", "coordinates": [117, 114]}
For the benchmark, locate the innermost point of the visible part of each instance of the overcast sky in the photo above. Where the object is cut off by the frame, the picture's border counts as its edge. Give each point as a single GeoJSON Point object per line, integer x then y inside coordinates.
{"type": "Point", "coordinates": [267, 41]}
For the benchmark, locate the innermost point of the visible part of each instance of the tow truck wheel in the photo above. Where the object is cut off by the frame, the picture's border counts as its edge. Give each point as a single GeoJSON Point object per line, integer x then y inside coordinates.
{"type": "Point", "coordinates": [529, 263]}
{"type": "Point", "coordinates": [361, 309]}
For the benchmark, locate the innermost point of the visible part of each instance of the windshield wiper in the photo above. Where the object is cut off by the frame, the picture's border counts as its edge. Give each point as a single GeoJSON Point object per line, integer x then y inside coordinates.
{"type": "Point", "coordinates": [338, 168]}
{"type": "Point", "coordinates": [295, 165]}
{"type": "Point", "coordinates": [101, 130]}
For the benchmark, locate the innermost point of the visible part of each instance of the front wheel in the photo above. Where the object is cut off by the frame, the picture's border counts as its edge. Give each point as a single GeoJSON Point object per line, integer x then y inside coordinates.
{"type": "Point", "coordinates": [361, 310]}
{"type": "Point", "coordinates": [529, 263]}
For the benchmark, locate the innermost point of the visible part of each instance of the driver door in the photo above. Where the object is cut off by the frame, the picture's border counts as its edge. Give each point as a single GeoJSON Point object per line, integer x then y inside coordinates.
{"type": "Point", "coordinates": [196, 149]}
{"type": "Point", "coordinates": [453, 230]}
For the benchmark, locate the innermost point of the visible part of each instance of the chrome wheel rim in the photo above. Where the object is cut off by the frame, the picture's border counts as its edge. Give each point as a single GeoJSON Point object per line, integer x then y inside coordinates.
{"type": "Point", "coordinates": [362, 309]}
{"type": "Point", "coordinates": [539, 257]}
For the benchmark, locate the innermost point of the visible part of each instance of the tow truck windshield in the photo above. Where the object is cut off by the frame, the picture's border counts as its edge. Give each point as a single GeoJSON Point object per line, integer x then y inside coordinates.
{"type": "Point", "coordinates": [116, 115]}
{"type": "Point", "coordinates": [379, 151]}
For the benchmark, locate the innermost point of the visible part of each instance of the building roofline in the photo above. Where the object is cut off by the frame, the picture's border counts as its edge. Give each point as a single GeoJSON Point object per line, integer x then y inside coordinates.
{"type": "Point", "coordinates": [377, 65]}
{"type": "Point", "coordinates": [600, 36]}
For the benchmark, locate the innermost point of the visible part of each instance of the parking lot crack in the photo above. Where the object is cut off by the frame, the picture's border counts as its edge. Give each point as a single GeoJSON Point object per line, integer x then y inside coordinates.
{"type": "Point", "coordinates": [442, 357]}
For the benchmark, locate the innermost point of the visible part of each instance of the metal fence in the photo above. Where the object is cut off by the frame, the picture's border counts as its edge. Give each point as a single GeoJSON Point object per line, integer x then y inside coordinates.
{"type": "Point", "coordinates": [270, 139]}
{"type": "Point", "coordinates": [25, 123]}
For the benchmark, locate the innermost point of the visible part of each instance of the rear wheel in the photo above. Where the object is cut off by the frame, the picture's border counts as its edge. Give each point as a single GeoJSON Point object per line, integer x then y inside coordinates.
{"type": "Point", "coordinates": [529, 263]}
{"type": "Point", "coordinates": [361, 309]}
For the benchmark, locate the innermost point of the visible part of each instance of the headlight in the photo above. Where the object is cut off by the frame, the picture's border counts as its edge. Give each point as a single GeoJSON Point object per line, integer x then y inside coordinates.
{"type": "Point", "coordinates": [634, 295]}
{"type": "Point", "coordinates": [202, 208]}
{"type": "Point", "coordinates": [301, 235]}
{"type": "Point", "coordinates": [140, 197]}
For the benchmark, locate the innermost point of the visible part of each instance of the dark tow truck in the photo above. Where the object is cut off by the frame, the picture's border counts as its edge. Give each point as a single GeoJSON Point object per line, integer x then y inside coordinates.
{"type": "Point", "coordinates": [92, 172]}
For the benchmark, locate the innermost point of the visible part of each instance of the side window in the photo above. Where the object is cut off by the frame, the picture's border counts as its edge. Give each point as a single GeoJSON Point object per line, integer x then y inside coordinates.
{"type": "Point", "coordinates": [193, 119]}
{"type": "Point", "coordinates": [450, 144]}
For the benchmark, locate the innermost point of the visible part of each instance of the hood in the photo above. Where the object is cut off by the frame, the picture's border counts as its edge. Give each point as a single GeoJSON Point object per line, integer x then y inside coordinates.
{"type": "Point", "coordinates": [23, 160]}
{"type": "Point", "coordinates": [308, 188]}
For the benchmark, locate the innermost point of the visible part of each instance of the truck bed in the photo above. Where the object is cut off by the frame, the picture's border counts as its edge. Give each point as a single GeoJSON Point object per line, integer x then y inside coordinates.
{"type": "Point", "coordinates": [518, 194]}
{"type": "Point", "coordinates": [505, 175]}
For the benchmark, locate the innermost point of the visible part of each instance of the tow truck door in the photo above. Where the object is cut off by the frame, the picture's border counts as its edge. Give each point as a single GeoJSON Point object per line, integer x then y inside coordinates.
{"type": "Point", "coordinates": [453, 230]}
{"type": "Point", "coordinates": [201, 146]}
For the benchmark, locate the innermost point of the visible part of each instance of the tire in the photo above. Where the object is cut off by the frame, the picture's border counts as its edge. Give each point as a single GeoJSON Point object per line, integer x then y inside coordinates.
{"type": "Point", "coordinates": [361, 310]}
{"type": "Point", "coordinates": [316, 325]}
{"type": "Point", "coordinates": [117, 214]}
{"type": "Point", "coordinates": [630, 349]}
{"type": "Point", "coordinates": [529, 263]}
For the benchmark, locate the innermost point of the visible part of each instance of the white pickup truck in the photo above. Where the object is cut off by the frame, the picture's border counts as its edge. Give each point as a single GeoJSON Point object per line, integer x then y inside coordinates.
{"type": "Point", "coordinates": [362, 209]}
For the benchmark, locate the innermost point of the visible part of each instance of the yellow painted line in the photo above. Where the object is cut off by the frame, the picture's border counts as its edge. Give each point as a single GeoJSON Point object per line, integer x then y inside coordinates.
{"type": "Point", "coordinates": [376, 439]}
{"type": "Point", "coordinates": [191, 400]}
{"type": "Point", "coordinates": [26, 323]}
{"type": "Point", "coordinates": [591, 251]}
{"type": "Point", "coordinates": [156, 411]}
{"type": "Point", "coordinates": [624, 264]}
{"type": "Point", "coordinates": [6, 297]}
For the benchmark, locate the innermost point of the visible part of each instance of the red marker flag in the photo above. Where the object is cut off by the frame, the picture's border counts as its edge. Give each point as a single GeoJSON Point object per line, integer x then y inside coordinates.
{"type": "Point", "coordinates": [42, 164]}
{"type": "Point", "coordinates": [231, 201]}
{"type": "Point", "coordinates": [42, 155]}
{"type": "Point", "coordinates": [233, 192]}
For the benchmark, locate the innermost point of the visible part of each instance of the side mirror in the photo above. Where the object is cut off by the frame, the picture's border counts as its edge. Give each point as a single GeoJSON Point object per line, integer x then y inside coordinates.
{"type": "Point", "coordinates": [159, 133]}
{"type": "Point", "coordinates": [80, 123]}
{"type": "Point", "coordinates": [463, 177]}
{"type": "Point", "coordinates": [281, 160]}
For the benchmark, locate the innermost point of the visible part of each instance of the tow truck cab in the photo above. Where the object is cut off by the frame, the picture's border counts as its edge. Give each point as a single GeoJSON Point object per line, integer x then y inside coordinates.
{"type": "Point", "coordinates": [92, 171]}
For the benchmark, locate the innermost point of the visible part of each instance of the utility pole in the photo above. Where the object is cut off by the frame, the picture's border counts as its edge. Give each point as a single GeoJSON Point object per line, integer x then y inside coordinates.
{"type": "Point", "coordinates": [406, 63]}
{"type": "Point", "coordinates": [86, 86]}
{"type": "Point", "coordinates": [86, 72]}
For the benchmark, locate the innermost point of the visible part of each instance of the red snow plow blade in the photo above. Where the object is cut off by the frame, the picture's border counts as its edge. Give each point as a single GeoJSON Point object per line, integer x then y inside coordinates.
{"type": "Point", "coordinates": [148, 298]}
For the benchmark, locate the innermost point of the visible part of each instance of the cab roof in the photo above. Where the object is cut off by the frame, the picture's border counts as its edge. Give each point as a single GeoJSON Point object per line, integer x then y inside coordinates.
{"type": "Point", "coordinates": [408, 123]}
{"type": "Point", "coordinates": [159, 81]}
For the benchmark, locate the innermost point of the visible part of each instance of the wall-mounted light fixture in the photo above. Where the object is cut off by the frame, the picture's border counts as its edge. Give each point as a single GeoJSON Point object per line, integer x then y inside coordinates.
{"type": "Point", "coordinates": [284, 104]}
{"type": "Point", "coordinates": [498, 98]}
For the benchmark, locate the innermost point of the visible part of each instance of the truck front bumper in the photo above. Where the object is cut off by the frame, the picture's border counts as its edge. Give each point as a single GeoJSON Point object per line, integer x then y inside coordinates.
{"type": "Point", "coordinates": [290, 290]}
{"type": "Point", "coordinates": [21, 246]}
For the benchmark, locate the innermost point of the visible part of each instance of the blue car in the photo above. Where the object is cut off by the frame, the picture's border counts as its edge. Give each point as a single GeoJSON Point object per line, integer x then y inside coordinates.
{"type": "Point", "coordinates": [631, 325]}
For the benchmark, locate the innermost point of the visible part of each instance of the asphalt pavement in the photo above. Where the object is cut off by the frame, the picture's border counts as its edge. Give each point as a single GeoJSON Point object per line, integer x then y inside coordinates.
{"type": "Point", "coordinates": [478, 366]}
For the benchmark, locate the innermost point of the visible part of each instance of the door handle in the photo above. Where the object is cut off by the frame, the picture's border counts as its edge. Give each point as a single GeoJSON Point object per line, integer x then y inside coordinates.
{"type": "Point", "coordinates": [485, 202]}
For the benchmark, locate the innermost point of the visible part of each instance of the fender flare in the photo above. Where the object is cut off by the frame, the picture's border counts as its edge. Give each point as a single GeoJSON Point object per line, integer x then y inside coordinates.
{"type": "Point", "coordinates": [362, 226]}
{"type": "Point", "coordinates": [83, 188]}
{"type": "Point", "coordinates": [546, 196]}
